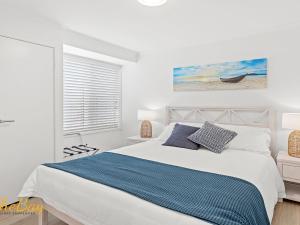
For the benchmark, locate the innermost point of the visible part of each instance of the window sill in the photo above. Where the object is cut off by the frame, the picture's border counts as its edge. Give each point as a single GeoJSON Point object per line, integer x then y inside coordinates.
{"type": "Point", "coordinates": [84, 133]}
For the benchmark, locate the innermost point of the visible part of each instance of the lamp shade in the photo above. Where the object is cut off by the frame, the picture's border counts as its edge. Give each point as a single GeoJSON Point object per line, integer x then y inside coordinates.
{"type": "Point", "coordinates": [146, 115]}
{"type": "Point", "coordinates": [291, 121]}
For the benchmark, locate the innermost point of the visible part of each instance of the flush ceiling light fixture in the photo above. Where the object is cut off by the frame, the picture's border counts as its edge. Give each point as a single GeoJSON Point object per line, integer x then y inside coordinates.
{"type": "Point", "coordinates": [152, 2]}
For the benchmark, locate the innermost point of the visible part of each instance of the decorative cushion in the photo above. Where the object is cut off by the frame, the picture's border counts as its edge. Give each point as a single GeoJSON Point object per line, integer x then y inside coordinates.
{"type": "Point", "coordinates": [166, 133]}
{"type": "Point", "coordinates": [179, 136]}
{"type": "Point", "coordinates": [212, 137]}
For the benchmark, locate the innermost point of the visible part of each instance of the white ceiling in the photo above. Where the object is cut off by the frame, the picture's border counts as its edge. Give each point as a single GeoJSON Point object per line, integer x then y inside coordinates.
{"type": "Point", "coordinates": [178, 23]}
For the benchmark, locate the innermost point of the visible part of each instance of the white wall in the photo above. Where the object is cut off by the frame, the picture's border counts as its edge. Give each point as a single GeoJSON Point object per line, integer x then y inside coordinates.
{"type": "Point", "coordinates": [19, 24]}
{"type": "Point", "coordinates": [149, 85]}
{"type": "Point", "coordinates": [92, 44]}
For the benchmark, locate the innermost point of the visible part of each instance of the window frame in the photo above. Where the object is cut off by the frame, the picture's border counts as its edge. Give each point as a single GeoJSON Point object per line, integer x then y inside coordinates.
{"type": "Point", "coordinates": [94, 131]}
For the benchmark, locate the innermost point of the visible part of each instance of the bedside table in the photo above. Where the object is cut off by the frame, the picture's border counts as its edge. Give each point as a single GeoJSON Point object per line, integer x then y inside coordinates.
{"type": "Point", "coordinates": [289, 169]}
{"type": "Point", "coordinates": [137, 139]}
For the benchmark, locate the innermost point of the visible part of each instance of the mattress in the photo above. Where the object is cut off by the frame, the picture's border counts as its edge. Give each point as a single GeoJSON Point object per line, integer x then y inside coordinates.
{"type": "Point", "coordinates": [95, 204]}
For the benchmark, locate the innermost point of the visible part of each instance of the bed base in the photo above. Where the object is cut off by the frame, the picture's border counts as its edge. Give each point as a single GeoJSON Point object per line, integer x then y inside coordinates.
{"type": "Point", "coordinates": [43, 217]}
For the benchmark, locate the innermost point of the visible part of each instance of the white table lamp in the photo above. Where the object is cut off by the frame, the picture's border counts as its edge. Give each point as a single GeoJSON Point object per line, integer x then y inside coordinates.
{"type": "Point", "coordinates": [292, 121]}
{"type": "Point", "coordinates": [146, 127]}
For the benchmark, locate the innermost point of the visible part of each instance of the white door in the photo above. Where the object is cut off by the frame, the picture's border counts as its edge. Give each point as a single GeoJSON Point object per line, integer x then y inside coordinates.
{"type": "Point", "coordinates": [27, 97]}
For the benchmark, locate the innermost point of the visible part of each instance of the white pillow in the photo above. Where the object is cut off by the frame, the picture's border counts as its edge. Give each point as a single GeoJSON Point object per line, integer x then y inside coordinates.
{"type": "Point", "coordinates": [169, 128]}
{"type": "Point", "coordinates": [254, 139]}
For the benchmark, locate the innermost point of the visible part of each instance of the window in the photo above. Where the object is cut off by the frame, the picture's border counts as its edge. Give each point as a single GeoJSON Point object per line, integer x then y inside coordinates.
{"type": "Point", "coordinates": [92, 95]}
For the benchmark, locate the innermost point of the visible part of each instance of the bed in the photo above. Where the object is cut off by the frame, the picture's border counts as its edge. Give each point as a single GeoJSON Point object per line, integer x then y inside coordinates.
{"type": "Point", "coordinates": [80, 201]}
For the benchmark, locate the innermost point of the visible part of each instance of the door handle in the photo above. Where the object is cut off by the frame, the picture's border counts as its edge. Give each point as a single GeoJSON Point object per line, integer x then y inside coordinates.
{"type": "Point", "coordinates": [7, 121]}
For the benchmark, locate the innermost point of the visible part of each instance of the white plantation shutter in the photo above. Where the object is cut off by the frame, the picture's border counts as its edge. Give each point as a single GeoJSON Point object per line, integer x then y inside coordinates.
{"type": "Point", "coordinates": [92, 94]}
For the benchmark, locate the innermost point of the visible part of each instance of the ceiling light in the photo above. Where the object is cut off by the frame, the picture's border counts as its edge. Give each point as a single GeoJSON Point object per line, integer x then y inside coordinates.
{"type": "Point", "coordinates": [152, 2]}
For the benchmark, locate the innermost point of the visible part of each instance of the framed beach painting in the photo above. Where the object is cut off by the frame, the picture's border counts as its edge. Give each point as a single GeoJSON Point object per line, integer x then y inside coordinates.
{"type": "Point", "coordinates": [246, 74]}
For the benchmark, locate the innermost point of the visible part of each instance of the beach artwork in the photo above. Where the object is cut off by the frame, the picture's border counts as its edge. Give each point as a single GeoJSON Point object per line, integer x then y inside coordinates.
{"type": "Point", "coordinates": [246, 74]}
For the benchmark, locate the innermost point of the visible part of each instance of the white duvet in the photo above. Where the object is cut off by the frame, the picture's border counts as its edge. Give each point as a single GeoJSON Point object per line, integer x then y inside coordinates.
{"type": "Point", "coordinates": [96, 204]}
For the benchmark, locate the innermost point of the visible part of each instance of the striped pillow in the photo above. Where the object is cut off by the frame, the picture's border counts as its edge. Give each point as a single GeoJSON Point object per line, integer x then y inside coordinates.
{"type": "Point", "coordinates": [212, 137]}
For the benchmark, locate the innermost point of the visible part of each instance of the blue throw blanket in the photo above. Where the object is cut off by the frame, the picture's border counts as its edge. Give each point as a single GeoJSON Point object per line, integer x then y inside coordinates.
{"type": "Point", "coordinates": [214, 198]}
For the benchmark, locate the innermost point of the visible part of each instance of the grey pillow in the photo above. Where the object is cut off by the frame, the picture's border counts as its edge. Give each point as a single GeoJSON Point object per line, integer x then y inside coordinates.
{"type": "Point", "coordinates": [179, 136]}
{"type": "Point", "coordinates": [212, 137]}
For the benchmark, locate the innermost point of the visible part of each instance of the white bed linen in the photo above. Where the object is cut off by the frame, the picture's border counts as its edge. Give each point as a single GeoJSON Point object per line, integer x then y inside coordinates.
{"type": "Point", "coordinates": [96, 204]}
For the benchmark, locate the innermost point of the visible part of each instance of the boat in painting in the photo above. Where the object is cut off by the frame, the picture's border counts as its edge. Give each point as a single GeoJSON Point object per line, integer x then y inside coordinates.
{"type": "Point", "coordinates": [233, 79]}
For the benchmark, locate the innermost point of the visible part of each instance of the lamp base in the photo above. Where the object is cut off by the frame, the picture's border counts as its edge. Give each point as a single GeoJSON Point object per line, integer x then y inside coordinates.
{"type": "Point", "coordinates": [294, 144]}
{"type": "Point", "coordinates": [146, 129]}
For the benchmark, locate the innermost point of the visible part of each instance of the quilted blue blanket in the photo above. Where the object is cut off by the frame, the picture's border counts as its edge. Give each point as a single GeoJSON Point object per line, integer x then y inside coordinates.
{"type": "Point", "coordinates": [214, 198]}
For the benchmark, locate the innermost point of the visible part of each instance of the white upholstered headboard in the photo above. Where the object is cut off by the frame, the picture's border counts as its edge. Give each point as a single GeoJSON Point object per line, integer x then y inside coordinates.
{"type": "Point", "coordinates": [256, 117]}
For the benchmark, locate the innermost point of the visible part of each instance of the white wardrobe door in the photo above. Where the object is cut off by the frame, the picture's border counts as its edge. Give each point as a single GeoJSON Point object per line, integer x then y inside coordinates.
{"type": "Point", "coordinates": [26, 96]}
